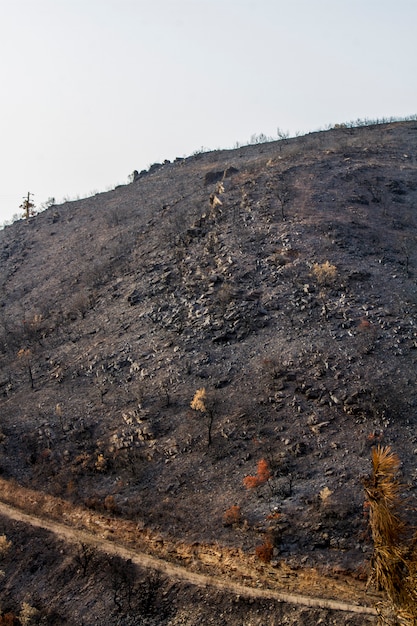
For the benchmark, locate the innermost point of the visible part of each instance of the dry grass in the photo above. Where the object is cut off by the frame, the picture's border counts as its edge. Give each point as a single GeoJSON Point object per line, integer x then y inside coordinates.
{"type": "Point", "coordinates": [206, 558]}
{"type": "Point", "coordinates": [4, 545]}
{"type": "Point", "coordinates": [394, 566]}
{"type": "Point", "coordinates": [325, 273]}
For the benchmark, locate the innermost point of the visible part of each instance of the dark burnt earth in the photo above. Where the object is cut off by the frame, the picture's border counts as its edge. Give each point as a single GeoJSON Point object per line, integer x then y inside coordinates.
{"type": "Point", "coordinates": [280, 277]}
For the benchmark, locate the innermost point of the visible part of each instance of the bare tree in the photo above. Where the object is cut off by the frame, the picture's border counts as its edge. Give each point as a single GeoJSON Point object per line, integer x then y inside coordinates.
{"type": "Point", "coordinates": [284, 193]}
{"type": "Point", "coordinates": [25, 357]}
{"type": "Point", "coordinates": [123, 577]}
{"type": "Point", "coordinates": [283, 137]}
{"type": "Point", "coordinates": [84, 556]}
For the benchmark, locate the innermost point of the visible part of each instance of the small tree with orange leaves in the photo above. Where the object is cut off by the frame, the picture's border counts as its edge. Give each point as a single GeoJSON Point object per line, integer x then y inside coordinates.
{"type": "Point", "coordinates": [262, 476]}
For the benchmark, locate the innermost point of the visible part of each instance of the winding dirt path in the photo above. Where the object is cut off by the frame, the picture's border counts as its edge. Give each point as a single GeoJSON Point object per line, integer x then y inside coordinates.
{"type": "Point", "coordinates": [173, 571]}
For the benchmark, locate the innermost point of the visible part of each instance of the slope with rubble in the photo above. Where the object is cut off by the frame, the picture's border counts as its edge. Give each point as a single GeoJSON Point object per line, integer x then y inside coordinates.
{"type": "Point", "coordinates": [280, 277]}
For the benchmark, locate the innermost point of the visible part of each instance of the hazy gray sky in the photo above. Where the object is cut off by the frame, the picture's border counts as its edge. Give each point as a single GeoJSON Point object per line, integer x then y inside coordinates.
{"type": "Point", "coordinates": [93, 89]}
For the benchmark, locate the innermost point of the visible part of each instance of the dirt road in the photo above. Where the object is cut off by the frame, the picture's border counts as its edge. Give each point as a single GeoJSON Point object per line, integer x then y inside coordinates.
{"type": "Point", "coordinates": [174, 571]}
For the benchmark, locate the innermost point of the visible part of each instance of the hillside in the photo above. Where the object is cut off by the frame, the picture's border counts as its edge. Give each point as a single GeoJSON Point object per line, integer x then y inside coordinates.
{"type": "Point", "coordinates": [280, 277]}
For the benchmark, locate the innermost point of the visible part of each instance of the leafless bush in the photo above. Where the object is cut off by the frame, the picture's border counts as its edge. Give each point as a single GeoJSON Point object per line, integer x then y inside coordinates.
{"type": "Point", "coordinates": [96, 273]}
{"type": "Point", "coordinates": [225, 296]}
{"type": "Point", "coordinates": [81, 302]}
{"type": "Point", "coordinates": [25, 357]}
{"type": "Point", "coordinates": [284, 193]}
{"type": "Point", "coordinates": [115, 217]}
{"type": "Point", "coordinates": [123, 577]}
{"type": "Point", "coordinates": [273, 370]}
{"type": "Point", "coordinates": [147, 595]}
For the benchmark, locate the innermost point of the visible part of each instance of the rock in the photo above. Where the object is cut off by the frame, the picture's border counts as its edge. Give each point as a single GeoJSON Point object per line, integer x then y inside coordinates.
{"type": "Point", "coordinates": [213, 177]}
{"type": "Point", "coordinates": [222, 337]}
{"type": "Point", "coordinates": [154, 167]}
{"type": "Point", "coordinates": [230, 171]}
{"type": "Point", "coordinates": [395, 187]}
{"type": "Point", "coordinates": [134, 298]}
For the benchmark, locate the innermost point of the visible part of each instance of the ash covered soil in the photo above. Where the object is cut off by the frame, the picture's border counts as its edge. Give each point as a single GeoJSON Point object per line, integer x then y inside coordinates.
{"type": "Point", "coordinates": [281, 278]}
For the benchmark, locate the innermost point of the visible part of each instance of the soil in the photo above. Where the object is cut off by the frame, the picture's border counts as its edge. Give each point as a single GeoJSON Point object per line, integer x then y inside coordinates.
{"type": "Point", "coordinates": [279, 277]}
{"type": "Point", "coordinates": [131, 583]}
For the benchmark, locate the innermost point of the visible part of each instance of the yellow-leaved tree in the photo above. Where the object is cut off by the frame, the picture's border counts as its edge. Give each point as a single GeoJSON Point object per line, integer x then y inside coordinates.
{"type": "Point", "coordinates": [205, 404]}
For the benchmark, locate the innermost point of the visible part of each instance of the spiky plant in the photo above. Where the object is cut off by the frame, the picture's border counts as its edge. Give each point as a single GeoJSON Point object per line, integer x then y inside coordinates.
{"type": "Point", "coordinates": [394, 567]}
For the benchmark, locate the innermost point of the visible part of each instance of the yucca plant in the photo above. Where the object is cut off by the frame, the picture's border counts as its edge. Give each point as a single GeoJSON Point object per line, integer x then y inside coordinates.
{"type": "Point", "coordinates": [394, 567]}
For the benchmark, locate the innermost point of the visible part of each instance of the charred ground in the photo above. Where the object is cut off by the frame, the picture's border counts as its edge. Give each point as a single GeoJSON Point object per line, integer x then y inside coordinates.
{"type": "Point", "coordinates": [280, 277]}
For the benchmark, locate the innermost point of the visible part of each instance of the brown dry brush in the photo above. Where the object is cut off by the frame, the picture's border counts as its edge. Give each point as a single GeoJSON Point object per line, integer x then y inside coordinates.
{"type": "Point", "coordinates": [263, 474]}
{"type": "Point", "coordinates": [265, 551]}
{"type": "Point", "coordinates": [394, 560]}
{"type": "Point", "coordinates": [233, 516]}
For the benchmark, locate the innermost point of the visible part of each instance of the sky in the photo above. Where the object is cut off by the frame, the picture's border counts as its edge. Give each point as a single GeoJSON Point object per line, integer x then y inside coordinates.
{"type": "Point", "coordinates": [93, 89]}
